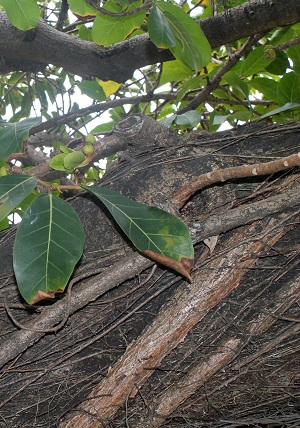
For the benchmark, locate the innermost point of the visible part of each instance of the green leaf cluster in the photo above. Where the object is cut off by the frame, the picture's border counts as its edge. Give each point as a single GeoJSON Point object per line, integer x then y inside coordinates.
{"type": "Point", "coordinates": [67, 161]}
{"type": "Point", "coordinates": [170, 27]}
{"type": "Point", "coordinates": [50, 238]}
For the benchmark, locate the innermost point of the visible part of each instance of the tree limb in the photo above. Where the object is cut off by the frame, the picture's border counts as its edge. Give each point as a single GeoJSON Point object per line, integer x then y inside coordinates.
{"type": "Point", "coordinates": [33, 50]}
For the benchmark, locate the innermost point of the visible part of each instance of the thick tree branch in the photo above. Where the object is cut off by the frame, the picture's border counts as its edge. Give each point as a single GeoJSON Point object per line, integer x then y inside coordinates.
{"type": "Point", "coordinates": [146, 353]}
{"type": "Point", "coordinates": [34, 50]}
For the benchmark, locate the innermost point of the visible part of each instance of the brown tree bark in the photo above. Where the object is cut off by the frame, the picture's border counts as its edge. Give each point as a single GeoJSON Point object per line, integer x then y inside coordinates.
{"type": "Point", "coordinates": [144, 348]}
{"type": "Point", "coordinates": [35, 49]}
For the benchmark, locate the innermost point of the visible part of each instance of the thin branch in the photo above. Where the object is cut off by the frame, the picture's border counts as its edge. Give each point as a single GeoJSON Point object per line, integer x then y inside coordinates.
{"type": "Point", "coordinates": [69, 117]}
{"type": "Point", "coordinates": [215, 81]}
{"type": "Point", "coordinates": [288, 44]}
{"type": "Point", "coordinates": [221, 175]}
{"type": "Point", "coordinates": [63, 15]}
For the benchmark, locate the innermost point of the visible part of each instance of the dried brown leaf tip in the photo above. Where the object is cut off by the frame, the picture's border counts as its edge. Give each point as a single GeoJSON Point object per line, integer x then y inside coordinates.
{"type": "Point", "coordinates": [41, 295]}
{"type": "Point", "coordinates": [183, 266]}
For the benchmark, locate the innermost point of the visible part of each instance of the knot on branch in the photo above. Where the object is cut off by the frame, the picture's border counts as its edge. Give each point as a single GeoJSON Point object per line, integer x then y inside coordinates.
{"type": "Point", "coordinates": [129, 127]}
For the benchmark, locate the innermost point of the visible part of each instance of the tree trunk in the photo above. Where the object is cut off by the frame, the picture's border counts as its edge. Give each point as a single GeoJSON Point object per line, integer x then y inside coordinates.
{"type": "Point", "coordinates": [142, 347]}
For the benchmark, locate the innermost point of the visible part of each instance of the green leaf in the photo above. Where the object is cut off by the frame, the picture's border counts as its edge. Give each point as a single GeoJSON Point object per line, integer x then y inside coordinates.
{"type": "Point", "coordinates": [289, 89]}
{"type": "Point", "coordinates": [49, 242]}
{"type": "Point", "coordinates": [234, 80]}
{"type": "Point", "coordinates": [57, 162]}
{"type": "Point", "coordinates": [267, 87]}
{"type": "Point", "coordinates": [255, 62]}
{"type": "Point", "coordinates": [81, 8]}
{"type": "Point", "coordinates": [192, 46]}
{"type": "Point", "coordinates": [108, 30]}
{"type": "Point", "coordinates": [85, 33]}
{"type": "Point", "coordinates": [65, 149]}
{"type": "Point", "coordinates": [12, 135]}
{"type": "Point", "coordinates": [13, 190]}
{"type": "Point", "coordinates": [284, 108]}
{"type": "Point", "coordinates": [174, 71]}
{"type": "Point", "coordinates": [168, 120]}
{"type": "Point", "coordinates": [73, 160]}
{"type": "Point", "coordinates": [4, 224]}
{"type": "Point", "coordinates": [23, 14]}
{"type": "Point", "coordinates": [92, 90]}
{"type": "Point", "coordinates": [160, 31]}
{"type": "Point", "coordinates": [153, 231]}
{"type": "Point", "coordinates": [294, 54]}
{"type": "Point", "coordinates": [103, 127]}
{"type": "Point", "coordinates": [279, 65]}
{"type": "Point", "coordinates": [190, 118]}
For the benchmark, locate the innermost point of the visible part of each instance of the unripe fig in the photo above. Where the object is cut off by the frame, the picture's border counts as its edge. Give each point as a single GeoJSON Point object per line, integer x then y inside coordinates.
{"type": "Point", "coordinates": [269, 53]}
{"type": "Point", "coordinates": [90, 138]}
{"type": "Point", "coordinates": [88, 149]}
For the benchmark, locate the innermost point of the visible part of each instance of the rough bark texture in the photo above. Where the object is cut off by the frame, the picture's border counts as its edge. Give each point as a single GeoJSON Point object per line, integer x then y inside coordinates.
{"type": "Point", "coordinates": [144, 348]}
{"type": "Point", "coordinates": [34, 49]}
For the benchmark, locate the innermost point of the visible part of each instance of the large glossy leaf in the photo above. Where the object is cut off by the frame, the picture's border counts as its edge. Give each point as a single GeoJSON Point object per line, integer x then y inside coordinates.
{"type": "Point", "coordinates": [156, 233]}
{"type": "Point", "coordinates": [294, 54]}
{"type": "Point", "coordinates": [285, 108]}
{"type": "Point", "coordinates": [92, 90]}
{"type": "Point", "coordinates": [268, 87]}
{"type": "Point", "coordinates": [49, 243]}
{"type": "Point", "coordinates": [160, 31]}
{"type": "Point", "coordinates": [192, 46]}
{"type": "Point", "coordinates": [13, 190]}
{"type": "Point", "coordinates": [108, 30]}
{"type": "Point", "coordinates": [23, 14]}
{"type": "Point", "coordinates": [82, 8]}
{"type": "Point", "coordinates": [255, 62]}
{"type": "Point", "coordinates": [289, 89]}
{"type": "Point", "coordinates": [12, 135]}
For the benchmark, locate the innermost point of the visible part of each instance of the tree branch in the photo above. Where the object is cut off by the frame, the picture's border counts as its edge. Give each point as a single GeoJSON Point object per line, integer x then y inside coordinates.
{"type": "Point", "coordinates": [142, 356]}
{"type": "Point", "coordinates": [118, 62]}
{"type": "Point", "coordinates": [221, 175]}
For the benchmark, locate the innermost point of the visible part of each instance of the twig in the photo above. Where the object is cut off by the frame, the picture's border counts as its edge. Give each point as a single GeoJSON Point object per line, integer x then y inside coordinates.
{"type": "Point", "coordinates": [214, 83]}
{"type": "Point", "coordinates": [96, 108]}
{"type": "Point", "coordinates": [288, 44]}
{"type": "Point", "coordinates": [221, 175]}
